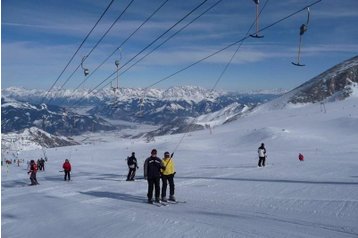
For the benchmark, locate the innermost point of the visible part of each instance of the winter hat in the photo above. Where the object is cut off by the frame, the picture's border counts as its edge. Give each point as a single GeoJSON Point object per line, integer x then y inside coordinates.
{"type": "Point", "coordinates": [154, 152]}
{"type": "Point", "coordinates": [133, 153]}
{"type": "Point", "coordinates": [166, 153]}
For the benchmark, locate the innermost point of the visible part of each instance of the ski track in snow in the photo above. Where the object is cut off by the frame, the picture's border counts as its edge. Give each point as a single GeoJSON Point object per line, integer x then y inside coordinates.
{"type": "Point", "coordinates": [226, 194]}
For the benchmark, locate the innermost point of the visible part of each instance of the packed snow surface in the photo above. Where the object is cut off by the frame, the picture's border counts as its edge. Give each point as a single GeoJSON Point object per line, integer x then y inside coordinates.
{"type": "Point", "coordinates": [226, 194]}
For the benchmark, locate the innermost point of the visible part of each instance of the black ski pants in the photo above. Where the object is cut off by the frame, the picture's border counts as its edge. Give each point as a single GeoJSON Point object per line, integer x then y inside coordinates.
{"type": "Point", "coordinates": [67, 174]}
{"type": "Point", "coordinates": [261, 161]}
{"type": "Point", "coordinates": [131, 174]}
{"type": "Point", "coordinates": [165, 180]}
{"type": "Point", "coordinates": [153, 183]}
{"type": "Point", "coordinates": [33, 178]}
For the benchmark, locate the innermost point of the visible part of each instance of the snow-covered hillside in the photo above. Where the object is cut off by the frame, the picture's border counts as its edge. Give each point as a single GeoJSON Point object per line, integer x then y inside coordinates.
{"type": "Point", "coordinates": [226, 194]}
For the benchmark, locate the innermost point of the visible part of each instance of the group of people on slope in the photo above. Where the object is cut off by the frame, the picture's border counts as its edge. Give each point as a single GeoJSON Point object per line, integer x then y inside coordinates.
{"type": "Point", "coordinates": [156, 169]}
{"type": "Point", "coordinates": [263, 155]}
{"type": "Point", "coordinates": [34, 167]}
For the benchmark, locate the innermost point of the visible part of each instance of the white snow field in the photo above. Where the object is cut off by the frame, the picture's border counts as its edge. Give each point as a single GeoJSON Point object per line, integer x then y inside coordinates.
{"type": "Point", "coordinates": [226, 194]}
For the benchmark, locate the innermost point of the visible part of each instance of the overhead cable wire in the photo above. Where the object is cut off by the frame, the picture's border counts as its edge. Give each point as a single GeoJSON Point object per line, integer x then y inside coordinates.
{"type": "Point", "coordinates": [166, 40]}
{"type": "Point", "coordinates": [241, 42]}
{"type": "Point", "coordinates": [176, 33]}
{"type": "Point", "coordinates": [221, 75]}
{"type": "Point", "coordinates": [237, 50]}
{"type": "Point", "coordinates": [232, 44]}
{"type": "Point", "coordinates": [216, 52]}
{"type": "Point", "coordinates": [83, 41]}
{"type": "Point", "coordinates": [99, 41]}
{"type": "Point", "coordinates": [182, 19]}
{"type": "Point", "coordinates": [130, 36]}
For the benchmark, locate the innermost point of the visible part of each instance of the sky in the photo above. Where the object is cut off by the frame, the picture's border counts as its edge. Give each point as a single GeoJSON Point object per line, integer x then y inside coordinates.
{"type": "Point", "coordinates": [38, 39]}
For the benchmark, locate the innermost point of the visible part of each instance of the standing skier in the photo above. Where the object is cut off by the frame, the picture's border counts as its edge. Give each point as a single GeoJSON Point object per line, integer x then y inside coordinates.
{"type": "Point", "coordinates": [33, 171]}
{"type": "Point", "coordinates": [301, 157]}
{"type": "Point", "coordinates": [262, 155]}
{"type": "Point", "coordinates": [168, 176]}
{"type": "Point", "coordinates": [42, 163]}
{"type": "Point", "coordinates": [132, 166]}
{"type": "Point", "coordinates": [67, 169]}
{"type": "Point", "coordinates": [152, 166]}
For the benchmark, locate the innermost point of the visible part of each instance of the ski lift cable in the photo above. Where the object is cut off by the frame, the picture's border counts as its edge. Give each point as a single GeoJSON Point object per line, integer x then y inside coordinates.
{"type": "Point", "coordinates": [100, 40]}
{"type": "Point", "coordinates": [216, 52]}
{"type": "Point", "coordinates": [182, 138]}
{"type": "Point", "coordinates": [166, 40]}
{"type": "Point", "coordinates": [182, 19]}
{"type": "Point", "coordinates": [226, 47]}
{"type": "Point", "coordinates": [222, 73]}
{"type": "Point", "coordinates": [86, 71]}
{"type": "Point", "coordinates": [130, 36]}
{"type": "Point", "coordinates": [237, 50]}
{"type": "Point", "coordinates": [177, 32]}
{"type": "Point", "coordinates": [232, 44]}
{"type": "Point", "coordinates": [69, 62]}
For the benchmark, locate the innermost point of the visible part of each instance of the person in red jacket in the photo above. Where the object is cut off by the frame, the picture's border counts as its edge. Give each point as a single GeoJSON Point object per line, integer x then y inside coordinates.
{"type": "Point", "coordinates": [33, 171]}
{"type": "Point", "coordinates": [67, 169]}
{"type": "Point", "coordinates": [301, 157]}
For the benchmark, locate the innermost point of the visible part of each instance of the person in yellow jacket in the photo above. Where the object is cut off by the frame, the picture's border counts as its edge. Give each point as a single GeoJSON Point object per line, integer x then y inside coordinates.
{"type": "Point", "coordinates": [168, 176]}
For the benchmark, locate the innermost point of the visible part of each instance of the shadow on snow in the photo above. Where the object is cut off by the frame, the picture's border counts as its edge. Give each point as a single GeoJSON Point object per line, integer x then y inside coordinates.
{"type": "Point", "coordinates": [270, 180]}
{"type": "Point", "coordinates": [118, 196]}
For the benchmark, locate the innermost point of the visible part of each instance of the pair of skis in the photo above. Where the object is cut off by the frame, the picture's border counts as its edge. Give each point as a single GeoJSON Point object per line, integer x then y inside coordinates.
{"type": "Point", "coordinates": [164, 204]}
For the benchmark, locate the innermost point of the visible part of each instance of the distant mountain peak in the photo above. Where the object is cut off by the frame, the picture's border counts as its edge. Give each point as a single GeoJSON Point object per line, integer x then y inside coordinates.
{"type": "Point", "coordinates": [334, 81]}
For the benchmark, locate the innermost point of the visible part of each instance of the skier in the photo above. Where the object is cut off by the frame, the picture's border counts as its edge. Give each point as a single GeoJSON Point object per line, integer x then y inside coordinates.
{"type": "Point", "coordinates": [168, 176]}
{"type": "Point", "coordinates": [301, 157]}
{"type": "Point", "coordinates": [152, 166]}
{"type": "Point", "coordinates": [132, 166]}
{"type": "Point", "coordinates": [33, 171]}
{"type": "Point", "coordinates": [67, 169]}
{"type": "Point", "coordinates": [39, 164]}
{"type": "Point", "coordinates": [42, 164]}
{"type": "Point", "coordinates": [262, 155]}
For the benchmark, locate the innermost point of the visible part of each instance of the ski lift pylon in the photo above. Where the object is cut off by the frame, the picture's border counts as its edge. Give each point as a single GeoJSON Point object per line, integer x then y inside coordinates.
{"type": "Point", "coordinates": [256, 35]}
{"type": "Point", "coordinates": [303, 29]}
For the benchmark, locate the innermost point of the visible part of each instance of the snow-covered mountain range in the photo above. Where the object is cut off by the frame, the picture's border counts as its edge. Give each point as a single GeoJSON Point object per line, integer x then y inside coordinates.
{"type": "Point", "coordinates": [175, 110]}
{"type": "Point", "coordinates": [17, 116]}
{"type": "Point", "coordinates": [59, 113]}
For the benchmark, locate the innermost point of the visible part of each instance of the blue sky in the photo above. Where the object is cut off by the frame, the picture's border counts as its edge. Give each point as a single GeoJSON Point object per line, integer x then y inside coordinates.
{"type": "Point", "coordinates": [39, 38]}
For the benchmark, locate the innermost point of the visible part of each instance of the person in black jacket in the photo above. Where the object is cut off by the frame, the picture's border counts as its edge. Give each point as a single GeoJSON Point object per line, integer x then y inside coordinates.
{"type": "Point", "coordinates": [132, 166]}
{"type": "Point", "coordinates": [152, 166]}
